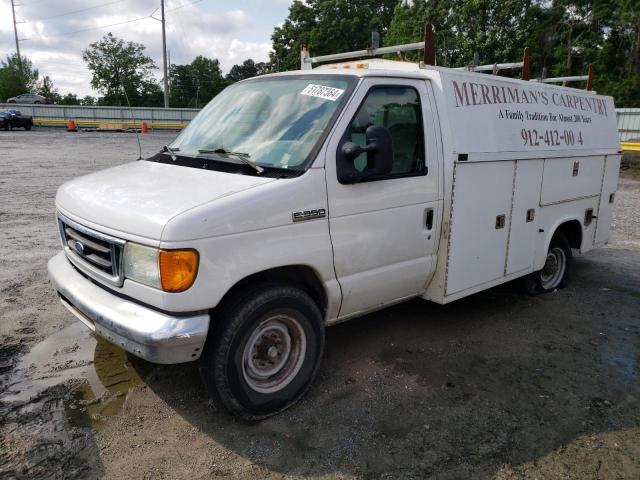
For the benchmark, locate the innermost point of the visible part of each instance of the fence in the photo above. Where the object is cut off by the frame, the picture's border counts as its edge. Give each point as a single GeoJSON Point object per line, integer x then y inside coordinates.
{"type": "Point", "coordinates": [629, 124]}
{"type": "Point", "coordinates": [57, 115]}
{"type": "Point", "coordinates": [628, 118]}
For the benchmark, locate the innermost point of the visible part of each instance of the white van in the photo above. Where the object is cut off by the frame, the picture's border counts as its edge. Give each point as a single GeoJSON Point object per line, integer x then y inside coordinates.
{"type": "Point", "coordinates": [298, 200]}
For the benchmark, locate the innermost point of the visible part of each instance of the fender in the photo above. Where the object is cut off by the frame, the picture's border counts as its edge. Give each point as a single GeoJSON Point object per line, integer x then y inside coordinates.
{"type": "Point", "coordinates": [541, 253]}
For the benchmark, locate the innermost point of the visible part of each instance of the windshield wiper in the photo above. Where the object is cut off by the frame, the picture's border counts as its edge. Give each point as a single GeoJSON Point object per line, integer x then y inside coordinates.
{"type": "Point", "coordinates": [171, 151]}
{"type": "Point", "coordinates": [243, 157]}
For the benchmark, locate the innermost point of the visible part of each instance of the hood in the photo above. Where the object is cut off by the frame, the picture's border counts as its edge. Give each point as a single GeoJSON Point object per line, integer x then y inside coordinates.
{"type": "Point", "coordinates": [140, 198]}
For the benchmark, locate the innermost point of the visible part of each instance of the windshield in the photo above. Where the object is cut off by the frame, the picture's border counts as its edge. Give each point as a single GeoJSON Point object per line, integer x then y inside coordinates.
{"type": "Point", "coordinates": [273, 122]}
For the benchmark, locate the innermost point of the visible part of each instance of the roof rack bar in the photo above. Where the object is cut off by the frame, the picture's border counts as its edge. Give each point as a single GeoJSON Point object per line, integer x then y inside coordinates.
{"type": "Point", "coordinates": [577, 78]}
{"type": "Point", "coordinates": [307, 61]}
{"type": "Point", "coordinates": [492, 67]}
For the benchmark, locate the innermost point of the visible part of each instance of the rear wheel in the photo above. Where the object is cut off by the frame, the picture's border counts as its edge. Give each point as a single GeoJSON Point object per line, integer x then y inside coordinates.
{"type": "Point", "coordinates": [555, 271]}
{"type": "Point", "coordinates": [263, 351]}
{"type": "Point", "coordinates": [28, 126]}
{"type": "Point", "coordinates": [8, 126]}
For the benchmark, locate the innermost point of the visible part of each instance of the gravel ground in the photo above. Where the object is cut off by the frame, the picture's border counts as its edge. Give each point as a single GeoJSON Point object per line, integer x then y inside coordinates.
{"type": "Point", "coordinates": [498, 385]}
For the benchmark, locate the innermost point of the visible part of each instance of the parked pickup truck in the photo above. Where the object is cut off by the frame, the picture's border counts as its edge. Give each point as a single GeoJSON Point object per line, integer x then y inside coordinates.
{"type": "Point", "coordinates": [298, 200]}
{"type": "Point", "coordinates": [10, 119]}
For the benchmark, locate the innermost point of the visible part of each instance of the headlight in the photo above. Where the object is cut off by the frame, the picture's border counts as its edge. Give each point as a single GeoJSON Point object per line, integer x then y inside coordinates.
{"type": "Point", "coordinates": [169, 270]}
{"type": "Point", "coordinates": [141, 264]}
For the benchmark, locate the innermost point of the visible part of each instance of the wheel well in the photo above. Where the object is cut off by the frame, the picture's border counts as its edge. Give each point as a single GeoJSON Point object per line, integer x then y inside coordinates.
{"type": "Point", "coordinates": [572, 231]}
{"type": "Point", "coordinates": [300, 276]}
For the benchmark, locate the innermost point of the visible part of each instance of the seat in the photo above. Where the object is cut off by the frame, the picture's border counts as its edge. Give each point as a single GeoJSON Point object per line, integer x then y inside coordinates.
{"type": "Point", "coordinates": [404, 137]}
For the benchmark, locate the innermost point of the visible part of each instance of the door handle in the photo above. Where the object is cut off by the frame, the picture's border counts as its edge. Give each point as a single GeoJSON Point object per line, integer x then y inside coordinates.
{"type": "Point", "coordinates": [428, 218]}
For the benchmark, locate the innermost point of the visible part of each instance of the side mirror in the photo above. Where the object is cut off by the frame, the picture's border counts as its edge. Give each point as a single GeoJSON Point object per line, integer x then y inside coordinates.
{"type": "Point", "coordinates": [379, 150]}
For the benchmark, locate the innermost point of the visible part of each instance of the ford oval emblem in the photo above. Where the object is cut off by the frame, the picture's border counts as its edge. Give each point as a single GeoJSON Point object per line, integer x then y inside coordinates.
{"type": "Point", "coordinates": [78, 247]}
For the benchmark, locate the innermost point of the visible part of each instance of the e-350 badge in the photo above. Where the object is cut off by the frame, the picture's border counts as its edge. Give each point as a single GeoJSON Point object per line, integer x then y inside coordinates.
{"type": "Point", "coordinates": [309, 214]}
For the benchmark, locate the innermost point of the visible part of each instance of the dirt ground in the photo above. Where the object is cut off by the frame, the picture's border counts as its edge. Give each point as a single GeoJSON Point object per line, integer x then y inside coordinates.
{"type": "Point", "coordinates": [498, 385]}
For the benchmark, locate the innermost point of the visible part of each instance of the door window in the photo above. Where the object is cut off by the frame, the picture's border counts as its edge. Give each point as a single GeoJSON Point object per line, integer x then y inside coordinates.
{"type": "Point", "coordinates": [398, 109]}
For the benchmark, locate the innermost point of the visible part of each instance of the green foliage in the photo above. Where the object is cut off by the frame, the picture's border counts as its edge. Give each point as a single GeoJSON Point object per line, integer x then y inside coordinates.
{"type": "Point", "coordinates": [17, 76]}
{"type": "Point", "coordinates": [328, 26]}
{"type": "Point", "coordinates": [248, 69]}
{"type": "Point", "coordinates": [69, 99]}
{"type": "Point", "coordinates": [88, 100]}
{"type": "Point", "coordinates": [564, 37]}
{"type": "Point", "coordinates": [195, 84]}
{"type": "Point", "coordinates": [47, 89]}
{"type": "Point", "coordinates": [117, 67]}
{"type": "Point", "coordinates": [495, 29]}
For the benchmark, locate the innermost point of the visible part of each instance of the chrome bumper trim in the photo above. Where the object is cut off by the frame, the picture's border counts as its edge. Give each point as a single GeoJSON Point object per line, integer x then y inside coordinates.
{"type": "Point", "coordinates": [155, 336]}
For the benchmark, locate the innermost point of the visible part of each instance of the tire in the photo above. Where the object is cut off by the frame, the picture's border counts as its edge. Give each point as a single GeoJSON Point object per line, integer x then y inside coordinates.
{"type": "Point", "coordinates": [555, 273]}
{"type": "Point", "coordinates": [28, 126]}
{"type": "Point", "coordinates": [37, 102]}
{"type": "Point", "coordinates": [8, 126]}
{"type": "Point", "coordinates": [263, 351]}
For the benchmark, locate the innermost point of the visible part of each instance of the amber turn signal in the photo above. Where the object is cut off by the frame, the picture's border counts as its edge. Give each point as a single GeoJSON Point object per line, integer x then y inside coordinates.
{"type": "Point", "coordinates": [178, 269]}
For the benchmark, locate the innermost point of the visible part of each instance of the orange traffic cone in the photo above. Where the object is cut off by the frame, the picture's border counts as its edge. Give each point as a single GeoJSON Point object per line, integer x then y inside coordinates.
{"type": "Point", "coordinates": [71, 126]}
{"type": "Point", "coordinates": [145, 127]}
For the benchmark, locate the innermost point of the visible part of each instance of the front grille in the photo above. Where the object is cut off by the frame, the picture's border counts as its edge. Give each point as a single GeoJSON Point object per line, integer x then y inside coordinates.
{"type": "Point", "coordinates": [95, 253]}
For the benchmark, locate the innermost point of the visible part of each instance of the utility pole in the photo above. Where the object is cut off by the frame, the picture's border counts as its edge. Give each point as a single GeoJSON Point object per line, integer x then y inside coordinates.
{"type": "Point", "coordinates": [15, 32]}
{"type": "Point", "coordinates": [164, 55]}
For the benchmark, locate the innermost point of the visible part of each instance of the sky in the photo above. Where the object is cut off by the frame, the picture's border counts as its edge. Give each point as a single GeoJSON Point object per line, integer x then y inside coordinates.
{"type": "Point", "coordinates": [55, 32]}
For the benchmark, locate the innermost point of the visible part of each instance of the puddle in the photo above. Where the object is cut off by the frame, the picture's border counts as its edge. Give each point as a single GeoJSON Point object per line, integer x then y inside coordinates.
{"type": "Point", "coordinates": [63, 390]}
{"type": "Point", "coordinates": [98, 374]}
{"type": "Point", "coordinates": [623, 360]}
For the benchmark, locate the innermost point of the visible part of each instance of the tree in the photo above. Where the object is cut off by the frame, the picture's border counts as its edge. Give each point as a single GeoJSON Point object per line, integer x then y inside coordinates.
{"type": "Point", "coordinates": [289, 38]}
{"type": "Point", "coordinates": [328, 26]}
{"type": "Point", "coordinates": [195, 84]}
{"type": "Point", "coordinates": [88, 101]}
{"type": "Point", "coordinates": [117, 67]}
{"type": "Point", "coordinates": [247, 69]}
{"type": "Point", "coordinates": [494, 29]}
{"type": "Point", "coordinates": [17, 76]}
{"type": "Point", "coordinates": [46, 89]}
{"type": "Point", "coordinates": [69, 99]}
{"type": "Point", "coordinates": [565, 37]}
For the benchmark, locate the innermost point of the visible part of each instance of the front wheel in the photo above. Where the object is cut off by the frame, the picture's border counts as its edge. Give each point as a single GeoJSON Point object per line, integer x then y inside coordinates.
{"type": "Point", "coordinates": [555, 271]}
{"type": "Point", "coordinates": [263, 351]}
{"type": "Point", "coordinates": [8, 126]}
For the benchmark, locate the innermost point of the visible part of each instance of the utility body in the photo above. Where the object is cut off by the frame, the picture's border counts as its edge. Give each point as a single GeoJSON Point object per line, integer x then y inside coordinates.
{"type": "Point", "coordinates": [298, 200]}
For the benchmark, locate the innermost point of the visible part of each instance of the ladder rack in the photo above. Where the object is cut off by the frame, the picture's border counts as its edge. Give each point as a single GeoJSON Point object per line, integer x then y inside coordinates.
{"type": "Point", "coordinates": [429, 58]}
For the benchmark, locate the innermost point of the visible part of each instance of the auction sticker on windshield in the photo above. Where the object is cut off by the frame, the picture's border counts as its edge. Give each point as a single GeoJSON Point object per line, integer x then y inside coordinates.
{"type": "Point", "coordinates": [320, 91]}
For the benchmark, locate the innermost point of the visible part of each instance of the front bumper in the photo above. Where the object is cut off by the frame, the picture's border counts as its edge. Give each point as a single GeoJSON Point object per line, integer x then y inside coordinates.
{"type": "Point", "coordinates": [147, 333]}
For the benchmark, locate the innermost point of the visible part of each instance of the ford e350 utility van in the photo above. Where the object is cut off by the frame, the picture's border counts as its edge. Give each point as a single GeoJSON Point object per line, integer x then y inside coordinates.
{"type": "Point", "coordinates": [297, 200]}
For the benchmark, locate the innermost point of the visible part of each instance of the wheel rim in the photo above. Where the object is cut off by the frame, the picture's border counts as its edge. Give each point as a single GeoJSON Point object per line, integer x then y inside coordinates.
{"type": "Point", "coordinates": [554, 268]}
{"type": "Point", "coordinates": [274, 353]}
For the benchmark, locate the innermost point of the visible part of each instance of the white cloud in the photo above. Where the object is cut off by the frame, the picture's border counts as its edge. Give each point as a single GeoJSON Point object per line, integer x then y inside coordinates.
{"type": "Point", "coordinates": [230, 30]}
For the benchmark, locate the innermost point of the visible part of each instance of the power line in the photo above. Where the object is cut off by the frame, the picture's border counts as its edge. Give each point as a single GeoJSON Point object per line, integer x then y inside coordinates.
{"type": "Point", "coordinates": [76, 11]}
{"type": "Point", "coordinates": [63, 34]}
{"type": "Point", "coordinates": [35, 3]}
{"type": "Point", "coordinates": [185, 5]}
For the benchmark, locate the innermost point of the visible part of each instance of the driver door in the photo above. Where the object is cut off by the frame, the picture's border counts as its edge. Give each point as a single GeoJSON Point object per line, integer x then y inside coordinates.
{"type": "Point", "coordinates": [384, 231]}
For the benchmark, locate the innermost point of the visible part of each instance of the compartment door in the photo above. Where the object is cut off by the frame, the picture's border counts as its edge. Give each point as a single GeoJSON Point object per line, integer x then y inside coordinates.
{"type": "Point", "coordinates": [571, 178]}
{"type": "Point", "coordinates": [479, 223]}
{"type": "Point", "coordinates": [524, 215]}
{"type": "Point", "coordinates": [605, 209]}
